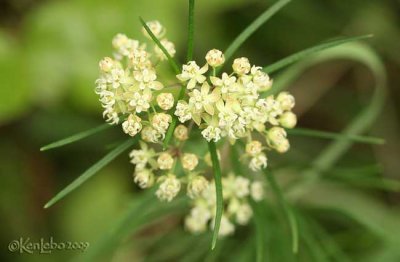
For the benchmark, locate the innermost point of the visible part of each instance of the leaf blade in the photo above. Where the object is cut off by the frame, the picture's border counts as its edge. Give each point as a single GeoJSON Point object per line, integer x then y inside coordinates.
{"type": "Point", "coordinates": [74, 138]}
{"type": "Point", "coordinates": [189, 55]}
{"type": "Point", "coordinates": [287, 210]}
{"type": "Point", "coordinates": [91, 171]}
{"type": "Point", "coordinates": [218, 189]}
{"type": "Point", "coordinates": [306, 52]}
{"type": "Point", "coordinates": [335, 136]}
{"type": "Point", "coordinates": [257, 23]}
{"type": "Point", "coordinates": [173, 63]}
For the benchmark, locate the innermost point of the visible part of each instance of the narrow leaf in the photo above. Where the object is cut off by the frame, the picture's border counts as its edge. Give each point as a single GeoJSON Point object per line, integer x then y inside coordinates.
{"type": "Point", "coordinates": [218, 189]}
{"type": "Point", "coordinates": [287, 209]}
{"type": "Point", "coordinates": [302, 54]}
{"type": "Point", "coordinates": [264, 17]}
{"type": "Point", "coordinates": [91, 171]}
{"type": "Point", "coordinates": [75, 137]}
{"type": "Point", "coordinates": [173, 63]}
{"type": "Point", "coordinates": [336, 136]}
{"type": "Point", "coordinates": [189, 55]}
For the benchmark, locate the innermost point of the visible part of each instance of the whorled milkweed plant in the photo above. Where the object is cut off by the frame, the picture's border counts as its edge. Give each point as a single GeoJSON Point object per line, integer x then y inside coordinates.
{"type": "Point", "coordinates": [232, 105]}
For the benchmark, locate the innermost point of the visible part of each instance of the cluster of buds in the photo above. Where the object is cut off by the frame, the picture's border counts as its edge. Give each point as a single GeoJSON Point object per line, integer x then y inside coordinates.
{"type": "Point", "coordinates": [237, 192]}
{"type": "Point", "coordinates": [160, 167]}
{"type": "Point", "coordinates": [228, 106]}
{"type": "Point", "coordinates": [127, 86]}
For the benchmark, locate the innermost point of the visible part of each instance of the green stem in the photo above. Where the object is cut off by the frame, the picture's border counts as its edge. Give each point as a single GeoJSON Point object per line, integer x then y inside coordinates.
{"type": "Point", "coordinates": [218, 189]}
{"type": "Point", "coordinates": [189, 56]}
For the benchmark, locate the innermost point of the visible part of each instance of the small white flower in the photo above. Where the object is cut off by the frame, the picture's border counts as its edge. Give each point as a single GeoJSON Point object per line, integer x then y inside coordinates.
{"type": "Point", "coordinates": [282, 147]}
{"type": "Point", "coordinates": [241, 187]}
{"type": "Point", "coordinates": [183, 111]}
{"type": "Point", "coordinates": [144, 178]}
{"type": "Point", "coordinates": [169, 46]}
{"type": "Point", "coordinates": [141, 101]}
{"type": "Point", "coordinates": [212, 133]}
{"type": "Point", "coordinates": [196, 186]}
{"type": "Point", "coordinates": [257, 162]}
{"type": "Point", "coordinates": [253, 148]}
{"type": "Point", "coordinates": [196, 222]}
{"type": "Point", "coordinates": [146, 75]}
{"type": "Point", "coordinates": [124, 45]}
{"type": "Point", "coordinates": [132, 125]}
{"type": "Point", "coordinates": [260, 78]}
{"type": "Point", "coordinates": [286, 101]}
{"type": "Point", "coordinates": [160, 122]}
{"type": "Point", "coordinates": [193, 73]}
{"type": "Point", "coordinates": [106, 64]}
{"type": "Point", "coordinates": [215, 58]}
{"type": "Point", "coordinates": [139, 59]}
{"type": "Point", "coordinates": [149, 134]}
{"type": "Point", "coordinates": [257, 191]}
{"type": "Point", "coordinates": [241, 66]}
{"type": "Point", "coordinates": [181, 133]}
{"type": "Point", "coordinates": [156, 28]}
{"type": "Point", "coordinates": [203, 99]}
{"type": "Point", "coordinates": [227, 83]}
{"type": "Point", "coordinates": [288, 119]}
{"type": "Point", "coordinates": [165, 161]}
{"type": "Point", "coordinates": [111, 115]}
{"type": "Point", "coordinates": [169, 188]}
{"type": "Point", "coordinates": [107, 98]}
{"type": "Point", "coordinates": [165, 101]}
{"type": "Point", "coordinates": [243, 214]}
{"type": "Point", "coordinates": [189, 161]}
{"type": "Point", "coordinates": [140, 157]}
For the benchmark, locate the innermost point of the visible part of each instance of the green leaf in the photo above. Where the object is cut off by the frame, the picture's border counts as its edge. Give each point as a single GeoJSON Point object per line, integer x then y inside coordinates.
{"type": "Point", "coordinates": [92, 170]}
{"type": "Point", "coordinates": [287, 209]}
{"type": "Point", "coordinates": [173, 63]}
{"type": "Point", "coordinates": [329, 156]}
{"type": "Point", "coordinates": [218, 189]}
{"type": "Point", "coordinates": [260, 231]}
{"type": "Point", "coordinates": [305, 53]}
{"type": "Point", "coordinates": [336, 136]}
{"type": "Point", "coordinates": [189, 55]}
{"type": "Point", "coordinates": [264, 17]}
{"type": "Point", "coordinates": [75, 137]}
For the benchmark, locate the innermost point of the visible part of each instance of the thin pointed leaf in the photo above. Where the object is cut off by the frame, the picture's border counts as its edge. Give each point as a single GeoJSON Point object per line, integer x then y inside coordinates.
{"type": "Point", "coordinates": [173, 63]}
{"type": "Point", "coordinates": [305, 53]}
{"type": "Point", "coordinates": [91, 171]}
{"type": "Point", "coordinates": [75, 137]}
{"type": "Point", "coordinates": [218, 189]}
{"type": "Point", "coordinates": [189, 55]}
{"type": "Point", "coordinates": [287, 209]}
{"type": "Point", "coordinates": [336, 136]}
{"type": "Point", "coordinates": [264, 17]}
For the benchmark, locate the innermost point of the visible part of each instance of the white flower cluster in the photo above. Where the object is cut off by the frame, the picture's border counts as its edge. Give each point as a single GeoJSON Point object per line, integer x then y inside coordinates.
{"type": "Point", "coordinates": [127, 84]}
{"type": "Point", "coordinates": [237, 191]}
{"type": "Point", "coordinates": [231, 106]}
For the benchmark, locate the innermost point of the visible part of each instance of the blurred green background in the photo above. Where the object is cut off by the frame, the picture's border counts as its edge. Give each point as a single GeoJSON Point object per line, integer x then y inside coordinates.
{"type": "Point", "coordinates": [49, 52]}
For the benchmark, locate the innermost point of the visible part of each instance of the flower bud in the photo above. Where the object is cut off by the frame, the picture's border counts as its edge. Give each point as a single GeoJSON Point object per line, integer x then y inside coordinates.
{"type": "Point", "coordinates": [241, 66]}
{"type": "Point", "coordinates": [215, 58]}
{"type": "Point", "coordinates": [196, 186]}
{"type": "Point", "coordinates": [165, 161]}
{"type": "Point", "coordinates": [253, 148]}
{"type": "Point", "coordinates": [144, 178]}
{"type": "Point", "coordinates": [257, 191]}
{"type": "Point", "coordinates": [189, 161]}
{"type": "Point", "coordinates": [286, 101]}
{"type": "Point", "coordinates": [106, 64]}
{"type": "Point", "coordinates": [283, 147]}
{"type": "Point", "coordinates": [169, 188]}
{"type": "Point", "coordinates": [257, 162]}
{"type": "Point", "coordinates": [181, 133]}
{"type": "Point", "coordinates": [132, 125]}
{"type": "Point", "coordinates": [288, 119]}
{"type": "Point", "coordinates": [165, 101]}
{"type": "Point", "coordinates": [275, 136]}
